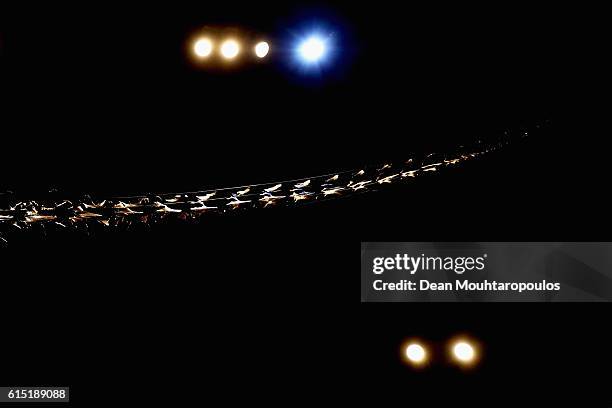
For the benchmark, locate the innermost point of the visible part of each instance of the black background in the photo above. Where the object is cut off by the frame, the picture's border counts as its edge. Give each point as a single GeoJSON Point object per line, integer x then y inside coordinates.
{"type": "Point", "coordinates": [263, 305]}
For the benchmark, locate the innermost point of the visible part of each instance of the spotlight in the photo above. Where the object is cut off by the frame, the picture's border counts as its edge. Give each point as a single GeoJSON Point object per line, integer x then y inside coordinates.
{"type": "Point", "coordinates": [203, 47]}
{"type": "Point", "coordinates": [312, 49]}
{"type": "Point", "coordinates": [415, 353]}
{"type": "Point", "coordinates": [464, 352]}
{"type": "Point", "coordinates": [261, 49]}
{"type": "Point", "coordinates": [230, 49]}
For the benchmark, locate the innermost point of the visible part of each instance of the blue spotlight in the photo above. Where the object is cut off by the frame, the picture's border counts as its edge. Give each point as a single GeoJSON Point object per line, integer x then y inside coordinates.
{"type": "Point", "coordinates": [315, 51]}
{"type": "Point", "coordinates": [312, 49]}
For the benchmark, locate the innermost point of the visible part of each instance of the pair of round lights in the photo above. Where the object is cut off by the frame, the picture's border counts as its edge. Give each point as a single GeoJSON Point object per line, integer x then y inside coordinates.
{"type": "Point", "coordinates": [204, 47]}
{"type": "Point", "coordinates": [462, 351]}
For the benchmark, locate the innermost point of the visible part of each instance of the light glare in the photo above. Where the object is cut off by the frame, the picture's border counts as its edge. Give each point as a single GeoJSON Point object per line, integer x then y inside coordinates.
{"type": "Point", "coordinates": [416, 353]}
{"type": "Point", "coordinates": [230, 49]}
{"type": "Point", "coordinates": [261, 49]}
{"type": "Point", "coordinates": [203, 47]}
{"type": "Point", "coordinates": [312, 49]}
{"type": "Point", "coordinates": [464, 352]}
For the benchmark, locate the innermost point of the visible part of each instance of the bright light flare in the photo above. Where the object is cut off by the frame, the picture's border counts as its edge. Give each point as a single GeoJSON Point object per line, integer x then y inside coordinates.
{"type": "Point", "coordinates": [312, 49]}
{"type": "Point", "coordinates": [230, 49]}
{"type": "Point", "coordinates": [415, 353]}
{"type": "Point", "coordinates": [464, 352]}
{"type": "Point", "coordinates": [261, 49]}
{"type": "Point", "coordinates": [203, 47]}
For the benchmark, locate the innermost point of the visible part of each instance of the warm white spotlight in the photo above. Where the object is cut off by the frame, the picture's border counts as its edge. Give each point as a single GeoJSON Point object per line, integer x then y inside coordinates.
{"type": "Point", "coordinates": [416, 353]}
{"type": "Point", "coordinates": [312, 49]}
{"type": "Point", "coordinates": [230, 49]}
{"type": "Point", "coordinates": [261, 49]}
{"type": "Point", "coordinates": [464, 352]}
{"type": "Point", "coordinates": [203, 47]}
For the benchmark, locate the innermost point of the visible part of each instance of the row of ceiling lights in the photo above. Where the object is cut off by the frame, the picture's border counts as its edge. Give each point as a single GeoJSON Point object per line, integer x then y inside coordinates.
{"type": "Point", "coordinates": [229, 49]}
{"type": "Point", "coordinates": [463, 352]}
